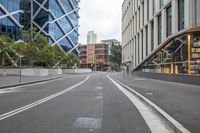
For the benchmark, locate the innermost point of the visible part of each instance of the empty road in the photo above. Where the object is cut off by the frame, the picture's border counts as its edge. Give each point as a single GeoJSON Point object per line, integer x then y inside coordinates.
{"type": "Point", "coordinates": [75, 104]}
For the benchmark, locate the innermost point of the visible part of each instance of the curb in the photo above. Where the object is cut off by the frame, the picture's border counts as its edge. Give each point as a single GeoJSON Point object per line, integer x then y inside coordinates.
{"type": "Point", "coordinates": [167, 119]}
{"type": "Point", "coordinates": [34, 82]}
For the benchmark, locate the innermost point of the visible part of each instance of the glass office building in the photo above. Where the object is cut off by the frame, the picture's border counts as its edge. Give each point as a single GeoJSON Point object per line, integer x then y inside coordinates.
{"type": "Point", "coordinates": [10, 18]}
{"type": "Point", "coordinates": [57, 20]}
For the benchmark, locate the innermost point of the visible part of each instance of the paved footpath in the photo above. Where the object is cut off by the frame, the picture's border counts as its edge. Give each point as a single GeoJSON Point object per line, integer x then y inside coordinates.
{"type": "Point", "coordinates": [15, 79]}
{"type": "Point", "coordinates": [181, 101]}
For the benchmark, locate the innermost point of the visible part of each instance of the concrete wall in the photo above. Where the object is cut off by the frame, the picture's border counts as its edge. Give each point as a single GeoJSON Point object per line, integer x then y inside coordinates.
{"type": "Point", "coordinates": [35, 72]}
{"type": "Point", "coordinates": [55, 71]}
{"type": "Point", "coordinates": [9, 71]}
{"type": "Point", "coordinates": [71, 71]}
{"type": "Point", "coordinates": [41, 72]}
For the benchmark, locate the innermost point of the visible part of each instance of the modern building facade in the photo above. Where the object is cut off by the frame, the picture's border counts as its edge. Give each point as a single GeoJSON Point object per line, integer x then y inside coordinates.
{"type": "Point", "coordinates": [10, 18]}
{"type": "Point", "coordinates": [95, 56]}
{"type": "Point", "coordinates": [56, 19]}
{"type": "Point", "coordinates": [161, 36]}
{"type": "Point", "coordinates": [91, 37]}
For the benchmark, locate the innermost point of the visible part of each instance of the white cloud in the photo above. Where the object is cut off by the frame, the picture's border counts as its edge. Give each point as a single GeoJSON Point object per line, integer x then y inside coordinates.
{"type": "Point", "coordinates": [102, 16]}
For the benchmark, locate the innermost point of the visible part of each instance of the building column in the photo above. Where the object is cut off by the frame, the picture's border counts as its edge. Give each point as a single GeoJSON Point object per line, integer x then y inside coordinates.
{"type": "Point", "coordinates": [136, 50]}
{"type": "Point", "coordinates": [150, 9]}
{"type": "Point", "coordinates": [198, 11]}
{"type": "Point", "coordinates": [155, 32]}
{"type": "Point", "coordinates": [140, 46]}
{"type": "Point", "coordinates": [134, 53]}
{"type": "Point", "coordinates": [187, 13]}
{"type": "Point", "coordinates": [149, 38]}
{"type": "Point", "coordinates": [175, 16]}
{"type": "Point", "coordinates": [164, 25]}
{"type": "Point", "coordinates": [141, 16]}
{"type": "Point", "coordinates": [144, 43]}
{"type": "Point", "coordinates": [145, 11]}
{"type": "Point", "coordinates": [189, 54]}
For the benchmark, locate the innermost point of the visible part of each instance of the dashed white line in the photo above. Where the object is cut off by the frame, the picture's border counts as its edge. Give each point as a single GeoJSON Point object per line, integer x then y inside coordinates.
{"type": "Point", "coordinates": [99, 88]}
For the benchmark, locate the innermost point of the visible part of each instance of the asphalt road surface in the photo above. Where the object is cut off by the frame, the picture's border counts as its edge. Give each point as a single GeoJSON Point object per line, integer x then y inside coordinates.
{"type": "Point", "coordinates": [87, 103]}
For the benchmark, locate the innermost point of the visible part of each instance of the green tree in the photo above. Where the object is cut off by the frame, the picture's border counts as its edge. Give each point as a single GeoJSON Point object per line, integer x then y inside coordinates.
{"type": "Point", "coordinates": [48, 56]}
{"type": "Point", "coordinates": [28, 35]}
{"type": "Point", "coordinates": [70, 60]}
{"type": "Point", "coordinates": [5, 48]}
{"type": "Point", "coordinates": [116, 55]}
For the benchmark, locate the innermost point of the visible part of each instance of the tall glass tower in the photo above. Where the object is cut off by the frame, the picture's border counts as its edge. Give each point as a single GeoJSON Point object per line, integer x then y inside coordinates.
{"type": "Point", "coordinates": [10, 18]}
{"type": "Point", "coordinates": [55, 19]}
{"type": "Point", "coordinates": [58, 20]}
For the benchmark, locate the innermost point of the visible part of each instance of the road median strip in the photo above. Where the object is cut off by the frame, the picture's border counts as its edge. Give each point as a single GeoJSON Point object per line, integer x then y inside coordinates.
{"type": "Point", "coordinates": [165, 117]}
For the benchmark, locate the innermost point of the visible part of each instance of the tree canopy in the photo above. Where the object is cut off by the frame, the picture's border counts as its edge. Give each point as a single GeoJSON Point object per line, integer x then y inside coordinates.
{"type": "Point", "coordinates": [35, 52]}
{"type": "Point", "coordinates": [116, 55]}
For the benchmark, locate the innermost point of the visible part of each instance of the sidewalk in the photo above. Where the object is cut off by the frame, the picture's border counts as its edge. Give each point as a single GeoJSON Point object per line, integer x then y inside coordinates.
{"type": "Point", "coordinates": [181, 101]}
{"type": "Point", "coordinates": [12, 80]}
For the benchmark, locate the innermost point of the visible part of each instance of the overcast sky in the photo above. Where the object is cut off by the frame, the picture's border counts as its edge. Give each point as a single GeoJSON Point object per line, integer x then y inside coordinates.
{"type": "Point", "coordinates": [102, 16]}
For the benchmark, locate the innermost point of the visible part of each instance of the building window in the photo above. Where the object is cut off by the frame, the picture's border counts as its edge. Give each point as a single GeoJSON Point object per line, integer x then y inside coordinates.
{"type": "Point", "coordinates": [135, 51]}
{"type": "Point", "coordinates": [180, 14]}
{"type": "Point", "coordinates": [159, 29]}
{"type": "Point", "coordinates": [152, 36]}
{"type": "Point", "coordinates": [154, 7]}
{"type": "Point", "coordinates": [142, 13]}
{"type": "Point", "coordinates": [142, 44]}
{"type": "Point", "coordinates": [146, 41]}
{"type": "Point", "coordinates": [138, 48]}
{"type": "Point", "coordinates": [169, 21]}
{"type": "Point", "coordinates": [139, 18]}
{"type": "Point", "coordinates": [161, 3]}
{"type": "Point", "coordinates": [136, 23]}
{"type": "Point", "coordinates": [147, 10]}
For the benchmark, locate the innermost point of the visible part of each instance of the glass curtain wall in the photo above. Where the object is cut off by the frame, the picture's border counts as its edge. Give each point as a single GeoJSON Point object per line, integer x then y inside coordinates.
{"type": "Point", "coordinates": [179, 56]}
{"type": "Point", "coordinates": [58, 20]}
{"type": "Point", "coordinates": [8, 26]}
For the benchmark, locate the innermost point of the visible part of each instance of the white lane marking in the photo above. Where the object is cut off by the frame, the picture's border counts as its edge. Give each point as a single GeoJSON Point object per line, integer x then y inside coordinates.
{"type": "Point", "coordinates": [90, 123]}
{"type": "Point", "coordinates": [99, 97]}
{"type": "Point", "coordinates": [177, 125]}
{"type": "Point", "coordinates": [9, 90]}
{"type": "Point", "coordinates": [99, 88]}
{"type": "Point", "coordinates": [6, 91]}
{"type": "Point", "coordinates": [153, 122]}
{"type": "Point", "coordinates": [24, 108]}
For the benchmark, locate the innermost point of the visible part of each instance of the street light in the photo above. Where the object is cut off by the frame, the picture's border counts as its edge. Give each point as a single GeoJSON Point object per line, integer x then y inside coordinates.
{"type": "Point", "coordinates": [20, 64]}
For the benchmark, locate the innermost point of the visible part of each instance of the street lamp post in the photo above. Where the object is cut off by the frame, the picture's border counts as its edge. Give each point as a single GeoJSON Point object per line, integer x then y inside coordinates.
{"type": "Point", "coordinates": [20, 67]}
